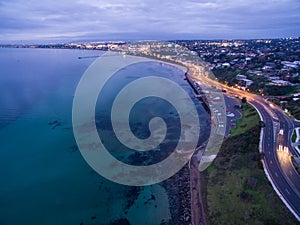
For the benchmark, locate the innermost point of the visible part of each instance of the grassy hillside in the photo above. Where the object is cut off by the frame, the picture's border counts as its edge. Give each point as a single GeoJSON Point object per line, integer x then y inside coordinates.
{"type": "Point", "coordinates": [235, 188]}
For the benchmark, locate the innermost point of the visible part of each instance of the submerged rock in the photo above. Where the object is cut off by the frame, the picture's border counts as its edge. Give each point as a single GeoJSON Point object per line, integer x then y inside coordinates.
{"type": "Point", "coordinates": [122, 221]}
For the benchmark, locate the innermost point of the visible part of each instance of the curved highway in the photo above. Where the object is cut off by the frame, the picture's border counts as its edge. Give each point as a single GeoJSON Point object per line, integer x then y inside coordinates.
{"type": "Point", "coordinates": [276, 145]}
{"type": "Point", "coordinates": [278, 165]}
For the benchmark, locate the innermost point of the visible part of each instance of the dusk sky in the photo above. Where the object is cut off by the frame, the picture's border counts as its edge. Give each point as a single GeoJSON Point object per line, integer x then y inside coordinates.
{"type": "Point", "coordinates": [71, 20]}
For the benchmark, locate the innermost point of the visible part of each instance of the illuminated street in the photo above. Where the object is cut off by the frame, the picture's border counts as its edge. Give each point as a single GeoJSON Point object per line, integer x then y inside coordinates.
{"type": "Point", "coordinates": [275, 144]}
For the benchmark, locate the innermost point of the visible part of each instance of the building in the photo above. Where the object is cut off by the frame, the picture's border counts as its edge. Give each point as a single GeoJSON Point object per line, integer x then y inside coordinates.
{"type": "Point", "coordinates": [240, 77]}
{"type": "Point", "coordinates": [280, 82]}
{"type": "Point", "coordinates": [244, 83]}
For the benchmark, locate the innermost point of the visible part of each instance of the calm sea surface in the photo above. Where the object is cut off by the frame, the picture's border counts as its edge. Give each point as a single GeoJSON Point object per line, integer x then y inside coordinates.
{"type": "Point", "coordinates": [44, 178]}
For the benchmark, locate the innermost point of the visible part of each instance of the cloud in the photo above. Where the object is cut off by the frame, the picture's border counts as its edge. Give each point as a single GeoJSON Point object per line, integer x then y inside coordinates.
{"type": "Point", "coordinates": [149, 19]}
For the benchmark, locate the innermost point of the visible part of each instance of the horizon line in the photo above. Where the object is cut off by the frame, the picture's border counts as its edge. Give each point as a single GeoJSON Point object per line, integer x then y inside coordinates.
{"type": "Point", "coordinates": [62, 42]}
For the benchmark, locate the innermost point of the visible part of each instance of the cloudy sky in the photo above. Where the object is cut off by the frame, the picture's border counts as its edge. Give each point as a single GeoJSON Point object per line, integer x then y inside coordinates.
{"type": "Point", "coordinates": [70, 20]}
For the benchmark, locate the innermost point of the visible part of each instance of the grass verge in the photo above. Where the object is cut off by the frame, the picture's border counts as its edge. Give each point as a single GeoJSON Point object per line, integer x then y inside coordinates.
{"type": "Point", "coordinates": [249, 119]}
{"type": "Point", "coordinates": [294, 136]}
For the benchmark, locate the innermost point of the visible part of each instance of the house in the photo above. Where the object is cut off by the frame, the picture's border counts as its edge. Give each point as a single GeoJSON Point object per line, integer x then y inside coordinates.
{"type": "Point", "coordinates": [240, 77]}
{"type": "Point", "coordinates": [244, 83]}
{"type": "Point", "coordinates": [280, 82]}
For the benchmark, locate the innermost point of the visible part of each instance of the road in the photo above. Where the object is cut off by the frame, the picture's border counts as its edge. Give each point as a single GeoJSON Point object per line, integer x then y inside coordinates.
{"type": "Point", "coordinates": [277, 163]}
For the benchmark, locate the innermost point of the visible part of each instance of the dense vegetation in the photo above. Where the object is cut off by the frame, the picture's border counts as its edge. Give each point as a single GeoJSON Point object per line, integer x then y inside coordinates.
{"type": "Point", "coordinates": [280, 90]}
{"type": "Point", "coordinates": [293, 107]}
{"type": "Point", "coordinates": [227, 75]}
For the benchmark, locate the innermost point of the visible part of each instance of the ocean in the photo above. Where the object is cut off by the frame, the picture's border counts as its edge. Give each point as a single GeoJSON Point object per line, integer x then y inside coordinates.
{"type": "Point", "coordinates": [44, 178]}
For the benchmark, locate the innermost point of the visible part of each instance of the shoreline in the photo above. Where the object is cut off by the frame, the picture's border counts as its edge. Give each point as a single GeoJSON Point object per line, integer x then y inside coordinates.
{"type": "Point", "coordinates": [196, 214]}
{"type": "Point", "coordinates": [179, 195]}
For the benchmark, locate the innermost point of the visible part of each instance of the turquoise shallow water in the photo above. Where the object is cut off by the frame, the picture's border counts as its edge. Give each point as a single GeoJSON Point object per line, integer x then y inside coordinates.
{"type": "Point", "coordinates": [44, 179]}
